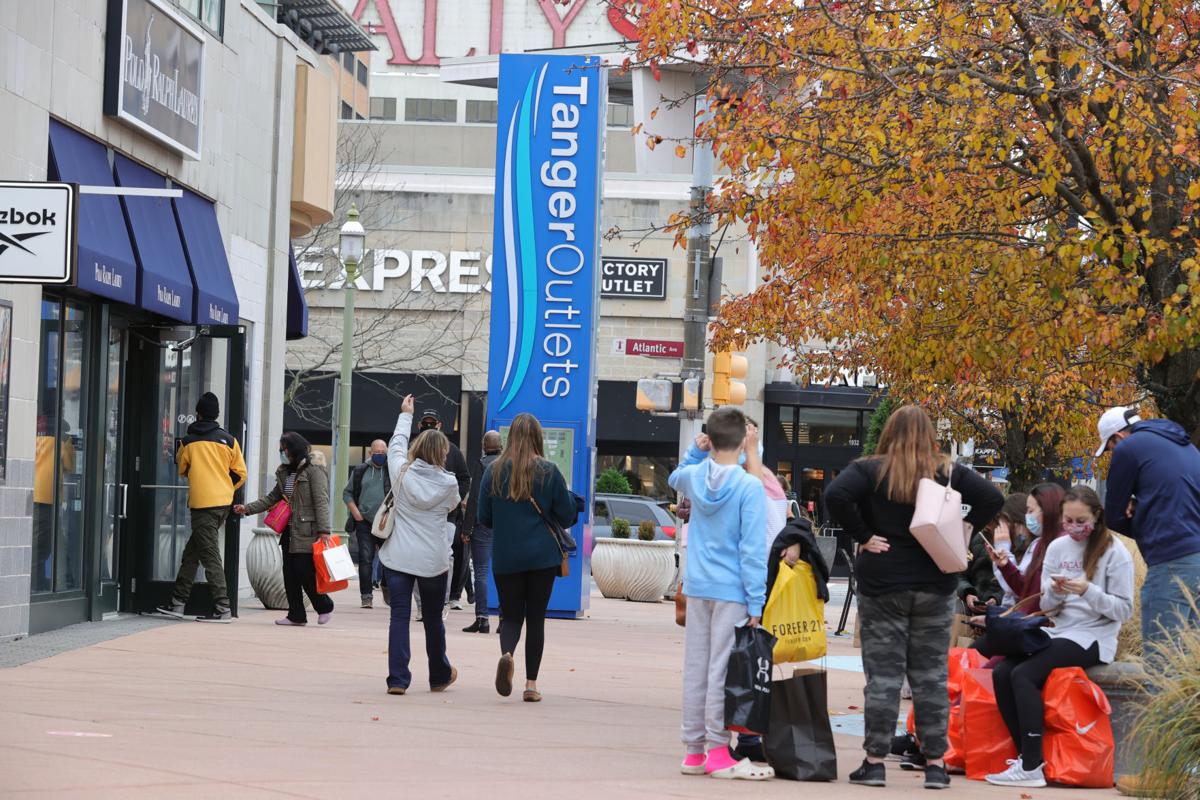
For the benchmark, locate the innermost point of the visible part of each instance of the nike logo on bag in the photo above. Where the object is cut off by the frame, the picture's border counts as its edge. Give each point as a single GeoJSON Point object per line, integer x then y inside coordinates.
{"type": "Point", "coordinates": [1084, 731]}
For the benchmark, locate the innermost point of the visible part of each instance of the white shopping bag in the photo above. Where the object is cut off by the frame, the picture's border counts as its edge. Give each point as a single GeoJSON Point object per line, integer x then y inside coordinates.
{"type": "Point", "coordinates": [338, 561]}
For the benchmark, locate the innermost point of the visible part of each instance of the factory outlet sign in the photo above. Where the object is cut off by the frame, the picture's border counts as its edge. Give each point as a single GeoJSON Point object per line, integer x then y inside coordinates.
{"type": "Point", "coordinates": [633, 278]}
{"type": "Point", "coordinates": [37, 232]}
{"type": "Point", "coordinates": [154, 72]}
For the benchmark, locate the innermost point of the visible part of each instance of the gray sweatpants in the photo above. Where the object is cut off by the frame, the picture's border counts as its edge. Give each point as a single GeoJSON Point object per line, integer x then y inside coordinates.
{"type": "Point", "coordinates": [707, 643]}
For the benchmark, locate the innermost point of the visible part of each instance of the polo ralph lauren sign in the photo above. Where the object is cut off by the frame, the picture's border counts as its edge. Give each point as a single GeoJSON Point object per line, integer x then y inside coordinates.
{"type": "Point", "coordinates": [154, 73]}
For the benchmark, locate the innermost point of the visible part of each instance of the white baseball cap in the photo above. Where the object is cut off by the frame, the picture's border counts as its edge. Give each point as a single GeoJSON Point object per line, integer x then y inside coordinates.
{"type": "Point", "coordinates": [1114, 421]}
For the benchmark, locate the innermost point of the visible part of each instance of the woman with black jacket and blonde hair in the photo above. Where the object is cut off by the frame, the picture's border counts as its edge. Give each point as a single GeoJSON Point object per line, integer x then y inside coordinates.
{"type": "Point", "coordinates": [906, 604]}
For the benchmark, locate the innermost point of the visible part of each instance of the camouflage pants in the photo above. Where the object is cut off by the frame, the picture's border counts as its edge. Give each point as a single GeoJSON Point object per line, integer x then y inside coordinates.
{"type": "Point", "coordinates": [906, 633]}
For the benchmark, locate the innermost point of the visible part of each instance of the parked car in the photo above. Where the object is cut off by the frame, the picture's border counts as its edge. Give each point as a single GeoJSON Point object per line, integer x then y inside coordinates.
{"type": "Point", "coordinates": [634, 509]}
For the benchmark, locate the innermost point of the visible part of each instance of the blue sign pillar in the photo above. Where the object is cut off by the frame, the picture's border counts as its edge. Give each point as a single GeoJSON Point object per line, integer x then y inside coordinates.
{"type": "Point", "coordinates": [545, 272]}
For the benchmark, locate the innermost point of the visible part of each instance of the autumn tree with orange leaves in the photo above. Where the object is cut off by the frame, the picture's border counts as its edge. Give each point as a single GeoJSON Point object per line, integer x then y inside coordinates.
{"type": "Point", "coordinates": [991, 204]}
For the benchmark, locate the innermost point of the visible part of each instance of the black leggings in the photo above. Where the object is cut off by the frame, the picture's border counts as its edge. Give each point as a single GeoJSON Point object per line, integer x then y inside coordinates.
{"type": "Point", "coordinates": [1019, 683]}
{"type": "Point", "coordinates": [524, 597]}
{"type": "Point", "coordinates": [299, 579]}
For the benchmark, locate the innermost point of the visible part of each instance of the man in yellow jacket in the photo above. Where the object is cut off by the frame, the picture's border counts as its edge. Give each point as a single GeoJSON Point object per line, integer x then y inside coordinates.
{"type": "Point", "coordinates": [211, 460]}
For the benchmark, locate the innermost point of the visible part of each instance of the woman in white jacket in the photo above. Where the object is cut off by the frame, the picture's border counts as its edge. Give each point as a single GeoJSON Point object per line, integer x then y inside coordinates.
{"type": "Point", "coordinates": [417, 551]}
{"type": "Point", "coordinates": [1087, 589]}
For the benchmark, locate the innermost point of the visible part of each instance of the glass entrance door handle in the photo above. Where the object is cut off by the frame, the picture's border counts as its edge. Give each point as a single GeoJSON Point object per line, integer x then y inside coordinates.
{"type": "Point", "coordinates": [124, 513]}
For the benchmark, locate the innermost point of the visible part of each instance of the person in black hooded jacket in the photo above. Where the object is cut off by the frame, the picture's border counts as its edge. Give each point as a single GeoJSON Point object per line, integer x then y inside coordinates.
{"type": "Point", "coordinates": [796, 542]}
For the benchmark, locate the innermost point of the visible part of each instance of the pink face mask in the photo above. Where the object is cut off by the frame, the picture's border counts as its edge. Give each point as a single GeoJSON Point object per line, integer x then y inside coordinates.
{"type": "Point", "coordinates": [1079, 531]}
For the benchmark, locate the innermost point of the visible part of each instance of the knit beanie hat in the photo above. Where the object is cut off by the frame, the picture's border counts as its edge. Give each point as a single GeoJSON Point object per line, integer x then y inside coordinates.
{"type": "Point", "coordinates": [209, 407]}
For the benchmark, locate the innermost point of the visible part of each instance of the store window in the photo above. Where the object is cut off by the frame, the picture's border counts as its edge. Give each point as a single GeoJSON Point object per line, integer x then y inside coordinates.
{"type": "Point", "coordinates": [620, 116]}
{"type": "Point", "coordinates": [425, 109]}
{"type": "Point", "coordinates": [362, 73]}
{"type": "Point", "coordinates": [58, 498]}
{"type": "Point", "coordinates": [482, 112]}
{"type": "Point", "coordinates": [348, 62]}
{"type": "Point", "coordinates": [647, 475]}
{"type": "Point", "coordinates": [210, 13]}
{"type": "Point", "coordinates": [824, 427]}
{"type": "Point", "coordinates": [347, 111]}
{"type": "Point", "coordinates": [383, 108]}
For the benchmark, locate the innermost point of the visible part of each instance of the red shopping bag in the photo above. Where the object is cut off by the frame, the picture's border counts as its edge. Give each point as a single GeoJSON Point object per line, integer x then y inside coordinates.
{"type": "Point", "coordinates": [1079, 742]}
{"type": "Point", "coordinates": [325, 584]}
{"type": "Point", "coordinates": [986, 741]}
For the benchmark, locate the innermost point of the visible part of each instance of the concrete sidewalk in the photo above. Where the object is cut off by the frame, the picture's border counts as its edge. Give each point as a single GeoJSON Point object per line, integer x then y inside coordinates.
{"type": "Point", "coordinates": [253, 710]}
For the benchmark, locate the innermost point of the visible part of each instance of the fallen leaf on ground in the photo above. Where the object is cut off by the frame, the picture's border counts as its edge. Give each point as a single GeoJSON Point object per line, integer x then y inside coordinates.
{"type": "Point", "coordinates": [374, 719]}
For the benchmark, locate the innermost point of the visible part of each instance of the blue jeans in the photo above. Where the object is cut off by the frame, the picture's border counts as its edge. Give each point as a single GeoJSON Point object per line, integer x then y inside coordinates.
{"type": "Point", "coordinates": [1165, 607]}
{"type": "Point", "coordinates": [481, 559]}
{"type": "Point", "coordinates": [433, 594]}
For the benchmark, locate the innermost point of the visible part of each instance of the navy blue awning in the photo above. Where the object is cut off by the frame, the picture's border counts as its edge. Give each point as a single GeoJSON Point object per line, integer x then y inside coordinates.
{"type": "Point", "coordinates": [216, 301]}
{"type": "Point", "coordinates": [297, 312]}
{"type": "Point", "coordinates": [105, 264]}
{"type": "Point", "coordinates": [164, 283]}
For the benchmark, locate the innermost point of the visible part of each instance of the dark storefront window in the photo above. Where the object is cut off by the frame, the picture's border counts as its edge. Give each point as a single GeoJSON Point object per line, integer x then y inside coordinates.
{"type": "Point", "coordinates": [58, 497]}
{"type": "Point", "coordinates": [826, 427]}
{"type": "Point", "coordinates": [647, 475]}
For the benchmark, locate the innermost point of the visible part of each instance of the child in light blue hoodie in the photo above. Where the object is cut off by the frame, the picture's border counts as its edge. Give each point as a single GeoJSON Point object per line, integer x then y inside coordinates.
{"type": "Point", "coordinates": [725, 581]}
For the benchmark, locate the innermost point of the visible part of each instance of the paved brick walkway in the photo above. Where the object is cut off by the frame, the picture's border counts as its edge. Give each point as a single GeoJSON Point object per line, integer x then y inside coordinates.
{"type": "Point", "coordinates": [253, 710]}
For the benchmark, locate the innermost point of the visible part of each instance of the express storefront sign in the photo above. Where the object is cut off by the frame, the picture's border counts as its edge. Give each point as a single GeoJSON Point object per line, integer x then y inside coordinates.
{"type": "Point", "coordinates": [154, 73]}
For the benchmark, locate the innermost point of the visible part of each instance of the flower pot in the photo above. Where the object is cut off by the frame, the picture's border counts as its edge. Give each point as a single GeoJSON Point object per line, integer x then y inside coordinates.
{"type": "Point", "coordinates": [264, 567]}
{"type": "Point", "coordinates": [633, 569]}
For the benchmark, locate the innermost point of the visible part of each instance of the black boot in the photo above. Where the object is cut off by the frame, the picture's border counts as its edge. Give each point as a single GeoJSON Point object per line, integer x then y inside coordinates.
{"type": "Point", "coordinates": [480, 625]}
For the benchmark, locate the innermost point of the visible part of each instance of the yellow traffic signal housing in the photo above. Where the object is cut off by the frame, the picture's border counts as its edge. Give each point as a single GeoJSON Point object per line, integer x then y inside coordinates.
{"type": "Point", "coordinates": [728, 370]}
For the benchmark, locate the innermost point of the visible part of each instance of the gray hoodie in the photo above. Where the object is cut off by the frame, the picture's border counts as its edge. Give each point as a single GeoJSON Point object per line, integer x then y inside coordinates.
{"type": "Point", "coordinates": [423, 495]}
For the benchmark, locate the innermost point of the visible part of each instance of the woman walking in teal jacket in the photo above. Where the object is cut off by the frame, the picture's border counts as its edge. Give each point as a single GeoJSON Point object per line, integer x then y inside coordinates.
{"type": "Point", "coordinates": [517, 490]}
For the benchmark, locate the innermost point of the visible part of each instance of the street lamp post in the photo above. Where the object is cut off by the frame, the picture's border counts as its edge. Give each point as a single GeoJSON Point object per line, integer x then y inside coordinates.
{"type": "Point", "coordinates": [350, 248]}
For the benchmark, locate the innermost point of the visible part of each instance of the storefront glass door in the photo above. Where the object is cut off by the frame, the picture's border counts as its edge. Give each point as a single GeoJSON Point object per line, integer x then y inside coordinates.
{"type": "Point", "coordinates": [173, 368]}
{"type": "Point", "coordinates": [114, 497]}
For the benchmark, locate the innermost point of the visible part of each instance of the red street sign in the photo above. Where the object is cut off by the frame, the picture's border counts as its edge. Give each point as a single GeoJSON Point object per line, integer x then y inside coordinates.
{"type": "Point", "coordinates": [654, 348]}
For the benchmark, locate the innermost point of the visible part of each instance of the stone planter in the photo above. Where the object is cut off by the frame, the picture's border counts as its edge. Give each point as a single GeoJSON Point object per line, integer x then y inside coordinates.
{"type": "Point", "coordinates": [1122, 682]}
{"type": "Point", "coordinates": [633, 569]}
{"type": "Point", "coordinates": [264, 567]}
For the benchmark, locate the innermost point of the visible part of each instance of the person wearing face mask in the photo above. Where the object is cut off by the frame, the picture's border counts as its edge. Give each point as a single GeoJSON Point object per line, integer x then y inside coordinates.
{"type": "Point", "coordinates": [1043, 519]}
{"type": "Point", "coordinates": [301, 479]}
{"type": "Point", "coordinates": [363, 495]}
{"type": "Point", "coordinates": [1087, 589]}
{"type": "Point", "coordinates": [1013, 538]}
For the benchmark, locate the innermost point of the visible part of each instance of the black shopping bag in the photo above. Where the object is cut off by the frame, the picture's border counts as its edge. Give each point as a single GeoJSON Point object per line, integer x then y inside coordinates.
{"type": "Point", "coordinates": [799, 738]}
{"type": "Point", "coordinates": [748, 681]}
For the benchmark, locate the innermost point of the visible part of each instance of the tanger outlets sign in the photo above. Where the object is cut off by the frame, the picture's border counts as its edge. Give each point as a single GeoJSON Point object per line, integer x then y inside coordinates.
{"type": "Point", "coordinates": [633, 279]}
{"type": "Point", "coordinates": [37, 232]}
{"type": "Point", "coordinates": [154, 74]}
{"type": "Point", "coordinates": [545, 261]}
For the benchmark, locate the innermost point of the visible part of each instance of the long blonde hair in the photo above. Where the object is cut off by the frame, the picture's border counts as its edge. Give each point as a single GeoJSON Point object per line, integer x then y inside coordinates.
{"type": "Point", "coordinates": [908, 451]}
{"type": "Point", "coordinates": [521, 455]}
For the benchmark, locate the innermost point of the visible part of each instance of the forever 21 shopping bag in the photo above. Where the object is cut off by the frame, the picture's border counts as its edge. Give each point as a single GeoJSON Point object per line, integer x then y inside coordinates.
{"type": "Point", "coordinates": [325, 582]}
{"type": "Point", "coordinates": [799, 739]}
{"type": "Point", "coordinates": [748, 681]}
{"type": "Point", "coordinates": [796, 615]}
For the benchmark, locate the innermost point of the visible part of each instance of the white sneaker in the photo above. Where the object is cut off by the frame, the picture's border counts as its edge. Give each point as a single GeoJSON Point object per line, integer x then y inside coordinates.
{"type": "Point", "coordinates": [1016, 775]}
{"type": "Point", "coordinates": [456, 605]}
{"type": "Point", "coordinates": [445, 613]}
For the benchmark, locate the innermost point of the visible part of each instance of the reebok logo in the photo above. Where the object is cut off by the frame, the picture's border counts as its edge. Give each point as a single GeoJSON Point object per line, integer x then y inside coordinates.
{"type": "Point", "coordinates": [12, 216]}
{"type": "Point", "coordinates": [1086, 729]}
{"type": "Point", "coordinates": [16, 240]}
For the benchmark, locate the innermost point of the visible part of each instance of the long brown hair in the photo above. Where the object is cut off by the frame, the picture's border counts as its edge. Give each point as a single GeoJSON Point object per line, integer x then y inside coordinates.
{"type": "Point", "coordinates": [908, 451]}
{"type": "Point", "coordinates": [1050, 497]}
{"type": "Point", "coordinates": [1101, 538]}
{"type": "Point", "coordinates": [520, 458]}
{"type": "Point", "coordinates": [431, 446]}
{"type": "Point", "coordinates": [1013, 513]}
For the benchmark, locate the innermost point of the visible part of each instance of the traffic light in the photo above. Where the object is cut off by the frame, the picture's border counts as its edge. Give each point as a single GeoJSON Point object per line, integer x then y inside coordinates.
{"type": "Point", "coordinates": [727, 367]}
{"type": "Point", "coordinates": [653, 395]}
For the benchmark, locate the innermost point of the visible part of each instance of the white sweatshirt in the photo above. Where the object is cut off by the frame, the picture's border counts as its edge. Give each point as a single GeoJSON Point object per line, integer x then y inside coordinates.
{"type": "Point", "coordinates": [1097, 614]}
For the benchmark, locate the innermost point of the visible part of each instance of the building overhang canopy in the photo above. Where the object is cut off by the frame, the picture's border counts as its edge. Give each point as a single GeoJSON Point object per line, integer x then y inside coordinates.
{"type": "Point", "coordinates": [324, 25]}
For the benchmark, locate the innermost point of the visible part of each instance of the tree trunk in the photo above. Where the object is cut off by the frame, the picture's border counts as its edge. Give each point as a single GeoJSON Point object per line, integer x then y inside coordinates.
{"type": "Point", "coordinates": [1173, 384]}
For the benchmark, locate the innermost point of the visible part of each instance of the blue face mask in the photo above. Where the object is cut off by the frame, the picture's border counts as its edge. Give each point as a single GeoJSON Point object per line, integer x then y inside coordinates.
{"type": "Point", "coordinates": [379, 459]}
{"type": "Point", "coordinates": [742, 457]}
{"type": "Point", "coordinates": [1034, 524]}
{"type": "Point", "coordinates": [284, 458]}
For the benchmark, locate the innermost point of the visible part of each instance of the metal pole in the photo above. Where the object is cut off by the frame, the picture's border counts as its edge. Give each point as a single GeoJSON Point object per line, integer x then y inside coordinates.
{"type": "Point", "coordinates": [699, 261]}
{"type": "Point", "coordinates": [342, 457]}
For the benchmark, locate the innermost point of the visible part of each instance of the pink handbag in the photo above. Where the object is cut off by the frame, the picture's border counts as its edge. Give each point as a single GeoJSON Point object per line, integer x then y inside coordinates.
{"type": "Point", "coordinates": [937, 524]}
{"type": "Point", "coordinates": [279, 515]}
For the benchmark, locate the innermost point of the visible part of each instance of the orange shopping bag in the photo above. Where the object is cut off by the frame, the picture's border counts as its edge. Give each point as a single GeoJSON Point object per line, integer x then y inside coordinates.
{"type": "Point", "coordinates": [988, 745]}
{"type": "Point", "coordinates": [325, 584]}
{"type": "Point", "coordinates": [1079, 737]}
{"type": "Point", "coordinates": [960, 660]}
